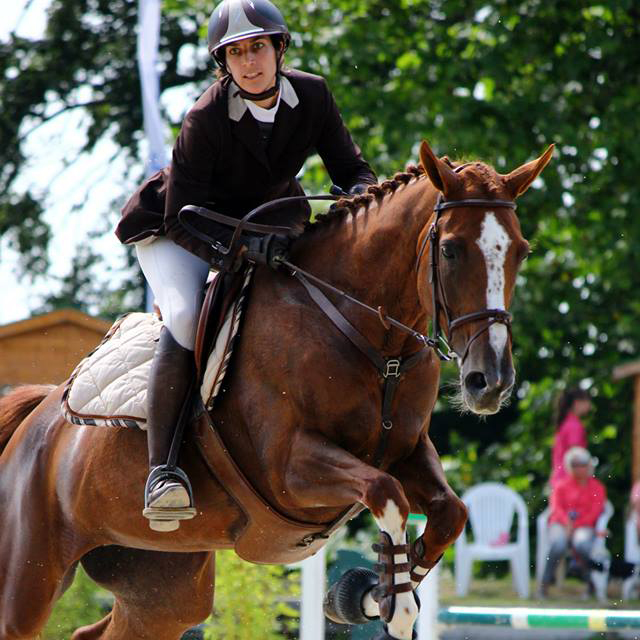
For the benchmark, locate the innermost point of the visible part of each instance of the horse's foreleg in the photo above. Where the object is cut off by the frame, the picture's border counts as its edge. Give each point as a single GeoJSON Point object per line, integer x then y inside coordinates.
{"type": "Point", "coordinates": [320, 474]}
{"type": "Point", "coordinates": [426, 488]}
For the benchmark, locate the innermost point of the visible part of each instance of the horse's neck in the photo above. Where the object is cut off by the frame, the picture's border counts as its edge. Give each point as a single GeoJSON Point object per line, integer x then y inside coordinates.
{"type": "Point", "coordinates": [372, 255]}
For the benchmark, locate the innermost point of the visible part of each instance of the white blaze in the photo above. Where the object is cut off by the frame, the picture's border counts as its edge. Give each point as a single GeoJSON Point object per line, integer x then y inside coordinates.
{"type": "Point", "coordinates": [494, 242]}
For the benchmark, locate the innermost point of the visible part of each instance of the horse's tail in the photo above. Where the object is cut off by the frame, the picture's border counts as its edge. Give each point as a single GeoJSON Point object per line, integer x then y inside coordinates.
{"type": "Point", "coordinates": [17, 405]}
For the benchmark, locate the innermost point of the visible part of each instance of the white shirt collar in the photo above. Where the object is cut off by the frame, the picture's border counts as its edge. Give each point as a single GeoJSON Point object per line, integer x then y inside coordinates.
{"type": "Point", "coordinates": [262, 114]}
{"type": "Point", "coordinates": [237, 106]}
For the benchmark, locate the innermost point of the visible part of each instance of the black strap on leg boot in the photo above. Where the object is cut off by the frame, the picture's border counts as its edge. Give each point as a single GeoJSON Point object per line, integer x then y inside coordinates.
{"type": "Point", "coordinates": [417, 555]}
{"type": "Point", "coordinates": [385, 593]}
{"type": "Point", "coordinates": [168, 493]}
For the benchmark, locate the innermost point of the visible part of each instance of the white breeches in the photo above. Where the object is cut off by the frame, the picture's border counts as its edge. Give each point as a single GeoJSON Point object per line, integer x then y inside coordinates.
{"type": "Point", "coordinates": [177, 279]}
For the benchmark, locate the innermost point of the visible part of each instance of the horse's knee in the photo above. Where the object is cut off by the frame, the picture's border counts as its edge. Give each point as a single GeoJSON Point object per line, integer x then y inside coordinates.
{"type": "Point", "coordinates": [383, 493]}
{"type": "Point", "coordinates": [447, 515]}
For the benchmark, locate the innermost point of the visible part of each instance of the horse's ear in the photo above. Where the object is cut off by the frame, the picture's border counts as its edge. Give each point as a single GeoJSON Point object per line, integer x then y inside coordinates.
{"type": "Point", "coordinates": [440, 173]}
{"type": "Point", "coordinates": [520, 179]}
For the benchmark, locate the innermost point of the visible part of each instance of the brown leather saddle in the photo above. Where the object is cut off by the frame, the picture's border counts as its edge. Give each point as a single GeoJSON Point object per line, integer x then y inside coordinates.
{"type": "Point", "coordinates": [219, 296]}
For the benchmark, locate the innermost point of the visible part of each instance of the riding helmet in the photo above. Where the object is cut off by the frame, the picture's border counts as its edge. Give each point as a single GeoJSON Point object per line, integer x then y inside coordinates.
{"type": "Point", "coordinates": [234, 20]}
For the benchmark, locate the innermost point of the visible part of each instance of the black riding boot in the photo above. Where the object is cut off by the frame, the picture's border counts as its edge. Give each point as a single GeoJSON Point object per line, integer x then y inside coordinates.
{"type": "Point", "coordinates": [168, 497]}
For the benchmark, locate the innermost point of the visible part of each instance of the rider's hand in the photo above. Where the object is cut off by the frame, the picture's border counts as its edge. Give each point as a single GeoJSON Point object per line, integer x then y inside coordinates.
{"type": "Point", "coordinates": [358, 189]}
{"type": "Point", "coordinates": [278, 249]}
{"type": "Point", "coordinates": [267, 249]}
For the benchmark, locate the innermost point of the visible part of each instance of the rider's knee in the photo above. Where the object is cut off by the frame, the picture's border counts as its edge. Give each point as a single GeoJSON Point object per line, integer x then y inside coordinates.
{"type": "Point", "coordinates": [182, 322]}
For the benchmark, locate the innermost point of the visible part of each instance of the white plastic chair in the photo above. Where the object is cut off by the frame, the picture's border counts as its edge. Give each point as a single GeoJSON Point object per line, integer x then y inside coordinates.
{"type": "Point", "coordinates": [631, 586]}
{"type": "Point", "coordinates": [492, 507]}
{"type": "Point", "coordinates": [542, 546]}
{"type": "Point", "coordinates": [631, 542]}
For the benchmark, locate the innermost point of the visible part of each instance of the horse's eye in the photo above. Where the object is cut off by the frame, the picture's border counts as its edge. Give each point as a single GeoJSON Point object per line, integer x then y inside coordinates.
{"type": "Point", "coordinates": [448, 252]}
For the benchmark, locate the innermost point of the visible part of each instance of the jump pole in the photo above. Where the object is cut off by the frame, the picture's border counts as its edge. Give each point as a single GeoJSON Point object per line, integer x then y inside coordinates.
{"type": "Point", "coordinates": [532, 618]}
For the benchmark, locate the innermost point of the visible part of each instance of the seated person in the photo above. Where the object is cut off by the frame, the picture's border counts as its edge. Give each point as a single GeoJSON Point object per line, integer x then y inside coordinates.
{"type": "Point", "coordinates": [576, 503]}
{"type": "Point", "coordinates": [634, 504]}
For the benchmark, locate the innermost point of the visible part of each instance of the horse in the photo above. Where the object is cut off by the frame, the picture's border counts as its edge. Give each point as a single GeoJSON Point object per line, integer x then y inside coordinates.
{"type": "Point", "coordinates": [300, 417]}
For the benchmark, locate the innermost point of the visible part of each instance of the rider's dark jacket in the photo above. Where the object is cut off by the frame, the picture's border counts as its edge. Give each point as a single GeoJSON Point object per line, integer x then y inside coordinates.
{"type": "Point", "coordinates": [219, 160]}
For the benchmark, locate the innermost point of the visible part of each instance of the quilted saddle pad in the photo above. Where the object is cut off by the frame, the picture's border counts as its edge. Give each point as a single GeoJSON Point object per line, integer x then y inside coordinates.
{"type": "Point", "coordinates": [109, 386]}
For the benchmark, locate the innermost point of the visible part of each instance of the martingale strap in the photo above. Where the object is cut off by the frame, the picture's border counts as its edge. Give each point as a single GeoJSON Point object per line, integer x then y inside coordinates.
{"type": "Point", "coordinates": [391, 369]}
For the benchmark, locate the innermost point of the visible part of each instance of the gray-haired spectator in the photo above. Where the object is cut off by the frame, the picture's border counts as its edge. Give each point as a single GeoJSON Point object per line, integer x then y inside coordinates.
{"type": "Point", "coordinates": [576, 503]}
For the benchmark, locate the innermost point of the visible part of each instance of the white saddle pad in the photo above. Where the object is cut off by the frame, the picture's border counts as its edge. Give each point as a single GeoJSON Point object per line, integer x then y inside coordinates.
{"type": "Point", "coordinates": [109, 387]}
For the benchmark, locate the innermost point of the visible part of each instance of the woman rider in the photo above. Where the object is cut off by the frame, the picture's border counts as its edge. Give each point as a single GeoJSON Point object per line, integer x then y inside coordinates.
{"type": "Point", "coordinates": [240, 145]}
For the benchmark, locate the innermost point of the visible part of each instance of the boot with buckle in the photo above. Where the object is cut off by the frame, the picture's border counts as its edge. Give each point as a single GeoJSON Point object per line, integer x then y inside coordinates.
{"type": "Point", "coordinates": [168, 497]}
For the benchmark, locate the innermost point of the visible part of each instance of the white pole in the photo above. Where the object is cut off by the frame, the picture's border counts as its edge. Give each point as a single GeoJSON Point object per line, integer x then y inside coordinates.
{"type": "Point", "coordinates": [313, 588]}
{"type": "Point", "coordinates": [428, 617]}
{"type": "Point", "coordinates": [427, 622]}
{"type": "Point", "coordinates": [149, 13]}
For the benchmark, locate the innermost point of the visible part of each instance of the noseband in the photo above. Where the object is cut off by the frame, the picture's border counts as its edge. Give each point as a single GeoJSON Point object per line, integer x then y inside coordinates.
{"type": "Point", "coordinates": [438, 294]}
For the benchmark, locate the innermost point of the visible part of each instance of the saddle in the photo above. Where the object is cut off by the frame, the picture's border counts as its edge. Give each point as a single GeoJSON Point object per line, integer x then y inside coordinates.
{"type": "Point", "coordinates": [109, 386]}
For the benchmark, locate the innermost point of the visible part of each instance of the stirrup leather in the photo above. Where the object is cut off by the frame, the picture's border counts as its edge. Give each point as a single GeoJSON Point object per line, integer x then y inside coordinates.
{"type": "Point", "coordinates": [166, 472]}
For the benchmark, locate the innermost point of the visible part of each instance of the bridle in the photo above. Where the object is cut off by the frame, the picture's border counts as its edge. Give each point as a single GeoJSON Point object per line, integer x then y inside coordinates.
{"type": "Point", "coordinates": [438, 294]}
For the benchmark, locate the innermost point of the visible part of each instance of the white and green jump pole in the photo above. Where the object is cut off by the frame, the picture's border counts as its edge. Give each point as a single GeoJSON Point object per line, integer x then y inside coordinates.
{"type": "Point", "coordinates": [530, 618]}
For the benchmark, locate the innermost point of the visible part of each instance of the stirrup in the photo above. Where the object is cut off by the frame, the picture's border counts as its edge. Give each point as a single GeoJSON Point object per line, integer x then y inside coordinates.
{"type": "Point", "coordinates": [166, 518]}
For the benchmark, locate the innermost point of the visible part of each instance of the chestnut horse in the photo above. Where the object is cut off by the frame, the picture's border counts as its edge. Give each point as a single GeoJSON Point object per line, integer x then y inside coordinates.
{"type": "Point", "coordinates": [301, 416]}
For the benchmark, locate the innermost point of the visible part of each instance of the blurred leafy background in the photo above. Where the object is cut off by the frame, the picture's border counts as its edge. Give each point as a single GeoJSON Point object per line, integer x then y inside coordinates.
{"type": "Point", "coordinates": [497, 81]}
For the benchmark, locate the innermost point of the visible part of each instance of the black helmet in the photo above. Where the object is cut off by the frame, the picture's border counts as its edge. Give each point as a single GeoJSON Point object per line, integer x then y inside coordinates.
{"type": "Point", "coordinates": [234, 20]}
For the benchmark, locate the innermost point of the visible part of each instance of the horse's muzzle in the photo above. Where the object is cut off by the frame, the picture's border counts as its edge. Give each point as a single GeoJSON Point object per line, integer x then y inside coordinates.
{"type": "Point", "coordinates": [484, 392]}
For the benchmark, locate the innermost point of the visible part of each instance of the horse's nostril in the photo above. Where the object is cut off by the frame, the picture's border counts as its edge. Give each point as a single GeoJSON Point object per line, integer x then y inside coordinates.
{"type": "Point", "coordinates": [475, 381]}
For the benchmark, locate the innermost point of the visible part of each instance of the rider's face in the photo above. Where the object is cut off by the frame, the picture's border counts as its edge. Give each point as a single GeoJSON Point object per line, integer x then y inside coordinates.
{"type": "Point", "coordinates": [252, 63]}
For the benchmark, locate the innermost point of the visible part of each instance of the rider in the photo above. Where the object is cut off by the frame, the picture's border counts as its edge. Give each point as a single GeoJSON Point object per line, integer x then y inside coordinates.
{"type": "Point", "coordinates": [241, 144]}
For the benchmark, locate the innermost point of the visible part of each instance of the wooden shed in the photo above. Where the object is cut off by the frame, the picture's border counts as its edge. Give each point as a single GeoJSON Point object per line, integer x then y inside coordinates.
{"type": "Point", "coordinates": [46, 348]}
{"type": "Point", "coordinates": [632, 369]}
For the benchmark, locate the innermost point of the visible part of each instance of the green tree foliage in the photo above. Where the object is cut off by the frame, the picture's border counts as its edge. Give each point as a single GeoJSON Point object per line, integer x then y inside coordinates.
{"type": "Point", "coordinates": [84, 603]}
{"type": "Point", "coordinates": [247, 597]}
{"type": "Point", "coordinates": [497, 81]}
{"type": "Point", "coordinates": [251, 597]}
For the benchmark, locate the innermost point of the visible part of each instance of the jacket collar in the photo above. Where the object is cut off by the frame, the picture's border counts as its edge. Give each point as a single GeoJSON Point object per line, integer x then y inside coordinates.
{"type": "Point", "coordinates": [237, 106]}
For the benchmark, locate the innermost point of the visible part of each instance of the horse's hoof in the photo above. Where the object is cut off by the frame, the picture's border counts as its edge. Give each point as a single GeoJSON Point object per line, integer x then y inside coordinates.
{"type": "Point", "coordinates": [343, 602]}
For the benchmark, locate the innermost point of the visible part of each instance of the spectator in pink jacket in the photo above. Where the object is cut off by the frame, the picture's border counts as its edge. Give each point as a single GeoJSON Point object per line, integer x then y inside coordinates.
{"type": "Point", "coordinates": [576, 503]}
{"type": "Point", "coordinates": [573, 404]}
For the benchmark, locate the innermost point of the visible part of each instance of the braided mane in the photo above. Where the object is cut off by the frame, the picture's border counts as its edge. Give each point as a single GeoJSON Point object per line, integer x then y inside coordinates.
{"type": "Point", "coordinates": [346, 206]}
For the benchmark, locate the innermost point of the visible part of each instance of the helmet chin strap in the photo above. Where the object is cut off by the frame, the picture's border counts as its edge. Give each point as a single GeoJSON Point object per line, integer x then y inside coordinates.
{"type": "Point", "coordinates": [269, 93]}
